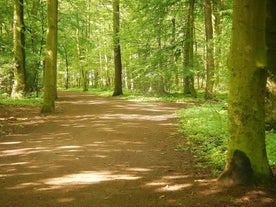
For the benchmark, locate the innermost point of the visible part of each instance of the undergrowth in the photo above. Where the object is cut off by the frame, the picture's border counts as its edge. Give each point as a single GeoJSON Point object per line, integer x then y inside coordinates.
{"type": "Point", "coordinates": [28, 101]}
{"type": "Point", "coordinates": [207, 132]}
{"type": "Point", "coordinates": [206, 129]}
{"type": "Point", "coordinates": [146, 96]}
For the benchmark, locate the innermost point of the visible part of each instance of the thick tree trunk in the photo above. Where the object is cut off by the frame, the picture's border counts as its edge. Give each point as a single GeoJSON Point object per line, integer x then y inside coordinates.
{"type": "Point", "coordinates": [271, 65]}
{"type": "Point", "coordinates": [210, 66]}
{"type": "Point", "coordinates": [117, 49]}
{"type": "Point", "coordinates": [50, 73]}
{"type": "Point", "coordinates": [19, 86]}
{"type": "Point", "coordinates": [247, 159]}
{"type": "Point", "coordinates": [189, 53]}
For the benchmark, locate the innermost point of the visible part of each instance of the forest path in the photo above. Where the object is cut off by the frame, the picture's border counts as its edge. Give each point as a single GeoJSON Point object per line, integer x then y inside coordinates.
{"type": "Point", "coordinates": [102, 152]}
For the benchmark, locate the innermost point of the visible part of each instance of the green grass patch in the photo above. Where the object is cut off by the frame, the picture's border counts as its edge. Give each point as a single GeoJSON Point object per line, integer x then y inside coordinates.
{"type": "Point", "coordinates": [207, 132]}
{"type": "Point", "coordinates": [206, 129]}
{"type": "Point", "coordinates": [142, 96]}
{"type": "Point", "coordinates": [94, 91]}
{"type": "Point", "coordinates": [271, 148]}
{"type": "Point", "coordinates": [21, 102]}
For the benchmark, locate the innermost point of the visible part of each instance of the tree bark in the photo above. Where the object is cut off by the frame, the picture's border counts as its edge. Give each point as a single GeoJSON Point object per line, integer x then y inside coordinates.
{"type": "Point", "coordinates": [247, 159]}
{"type": "Point", "coordinates": [189, 53]}
{"type": "Point", "coordinates": [50, 73]}
{"type": "Point", "coordinates": [210, 66]}
{"type": "Point", "coordinates": [81, 58]}
{"type": "Point", "coordinates": [217, 8]}
{"type": "Point", "coordinates": [117, 49]}
{"type": "Point", "coordinates": [19, 86]}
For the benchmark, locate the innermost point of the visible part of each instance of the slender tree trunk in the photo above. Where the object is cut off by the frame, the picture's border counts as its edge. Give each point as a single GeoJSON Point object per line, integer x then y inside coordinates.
{"type": "Point", "coordinates": [218, 31]}
{"type": "Point", "coordinates": [117, 49]}
{"type": "Point", "coordinates": [19, 86]}
{"type": "Point", "coordinates": [50, 59]}
{"type": "Point", "coordinates": [175, 54]}
{"type": "Point", "coordinates": [210, 66]}
{"type": "Point", "coordinates": [189, 53]}
{"type": "Point", "coordinates": [83, 72]}
{"type": "Point", "coordinates": [41, 42]}
{"type": "Point", "coordinates": [67, 69]}
{"type": "Point", "coordinates": [271, 65]}
{"type": "Point", "coordinates": [107, 81]}
{"type": "Point", "coordinates": [247, 159]}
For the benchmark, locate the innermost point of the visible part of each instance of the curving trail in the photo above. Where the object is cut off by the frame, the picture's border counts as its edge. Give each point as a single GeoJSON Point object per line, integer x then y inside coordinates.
{"type": "Point", "coordinates": [104, 152]}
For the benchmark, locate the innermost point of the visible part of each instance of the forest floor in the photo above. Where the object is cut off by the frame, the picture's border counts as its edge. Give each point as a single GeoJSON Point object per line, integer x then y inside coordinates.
{"type": "Point", "coordinates": [106, 152]}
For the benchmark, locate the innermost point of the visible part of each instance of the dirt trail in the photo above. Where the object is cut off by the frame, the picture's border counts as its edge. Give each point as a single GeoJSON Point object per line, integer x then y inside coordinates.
{"type": "Point", "coordinates": [105, 152]}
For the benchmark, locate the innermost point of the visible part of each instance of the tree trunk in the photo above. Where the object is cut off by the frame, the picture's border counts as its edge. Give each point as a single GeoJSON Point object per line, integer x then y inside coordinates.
{"type": "Point", "coordinates": [247, 159]}
{"type": "Point", "coordinates": [117, 49]}
{"type": "Point", "coordinates": [175, 54]}
{"type": "Point", "coordinates": [210, 66]}
{"type": "Point", "coordinates": [67, 69]}
{"type": "Point", "coordinates": [19, 86]}
{"type": "Point", "coordinates": [218, 31]}
{"type": "Point", "coordinates": [50, 74]}
{"type": "Point", "coordinates": [271, 65]}
{"type": "Point", "coordinates": [81, 59]}
{"type": "Point", "coordinates": [189, 53]}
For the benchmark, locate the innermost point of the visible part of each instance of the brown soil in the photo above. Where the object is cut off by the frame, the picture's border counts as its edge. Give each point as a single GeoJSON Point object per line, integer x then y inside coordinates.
{"type": "Point", "coordinates": [106, 152]}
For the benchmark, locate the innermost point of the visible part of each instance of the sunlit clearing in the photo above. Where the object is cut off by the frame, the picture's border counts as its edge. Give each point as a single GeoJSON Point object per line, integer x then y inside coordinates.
{"type": "Point", "coordinates": [139, 169]}
{"type": "Point", "coordinates": [204, 182]}
{"type": "Point", "coordinates": [157, 183]}
{"type": "Point", "coordinates": [65, 200]}
{"type": "Point", "coordinates": [15, 152]}
{"type": "Point", "coordinates": [138, 117]}
{"type": "Point", "coordinates": [100, 156]}
{"type": "Point", "coordinates": [86, 178]}
{"type": "Point", "coordinates": [23, 151]}
{"type": "Point", "coordinates": [23, 185]}
{"type": "Point", "coordinates": [175, 187]}
{"type": "Point", "coordinates": [69, 147]}
{"type": "Point", "coordinates": [173, 177]}
{"type": "Point", "coordinates": [9, 143]}
{"type": "Point", "coordinates": [13, 164]}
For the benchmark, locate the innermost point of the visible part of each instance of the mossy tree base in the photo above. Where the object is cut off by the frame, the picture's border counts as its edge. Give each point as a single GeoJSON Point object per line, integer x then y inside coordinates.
{"type": "Point", "coordinates": [247, 161]}
{"type": "Point", "coordinates": [238, 172]}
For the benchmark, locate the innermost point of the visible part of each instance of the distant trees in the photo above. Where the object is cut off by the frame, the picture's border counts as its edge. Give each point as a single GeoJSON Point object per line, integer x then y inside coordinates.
{"type": "Point", "coordinates": [162, 45]}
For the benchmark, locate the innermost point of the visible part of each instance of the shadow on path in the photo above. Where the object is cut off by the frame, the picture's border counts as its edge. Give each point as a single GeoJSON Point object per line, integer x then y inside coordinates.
{"type": "Point", "coordinates": [105, 152]}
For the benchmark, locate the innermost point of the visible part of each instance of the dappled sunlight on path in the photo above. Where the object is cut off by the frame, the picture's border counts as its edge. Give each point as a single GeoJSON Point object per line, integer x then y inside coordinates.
{"type": "Point", "coordinates": [101, 152]}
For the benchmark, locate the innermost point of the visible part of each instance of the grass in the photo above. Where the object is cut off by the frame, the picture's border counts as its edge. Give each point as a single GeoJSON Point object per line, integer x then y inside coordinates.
{"type": "Point", "coordinates": [206, 129]}
{"type": "Point", "coordinates": [96, 91]}
{"type": "Point", "coordinates": [31, 101]}
{"type": "Point", "coordinates": [143, 97]}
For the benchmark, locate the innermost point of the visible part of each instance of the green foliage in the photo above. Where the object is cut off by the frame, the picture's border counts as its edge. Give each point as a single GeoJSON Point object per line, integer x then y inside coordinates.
{"type": "Point", "coordinates": [152, 38]}
{"type": "Point", "coordinates": [205, 127]}
{"type": "Point", "coordinates": [270, 147]}
{"type": "Point", "coordinates": [95, 91]}
{"type": "Point", "coordinates": [31, 101]}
